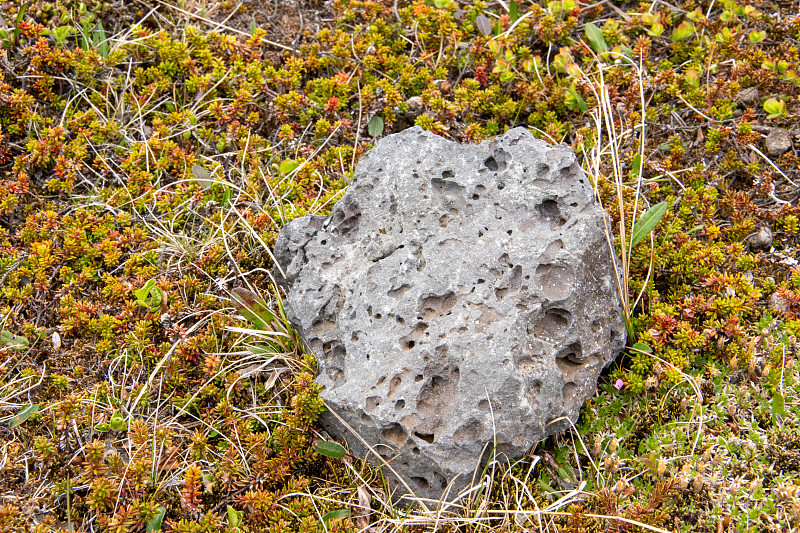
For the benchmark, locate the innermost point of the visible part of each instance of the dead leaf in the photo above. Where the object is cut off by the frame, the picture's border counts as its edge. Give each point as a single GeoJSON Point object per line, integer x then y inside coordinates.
{"type": "Point", "coordinates": [362, 511]}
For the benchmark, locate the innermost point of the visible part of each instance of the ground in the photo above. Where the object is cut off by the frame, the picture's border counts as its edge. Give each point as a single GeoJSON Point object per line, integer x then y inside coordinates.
{"type": "Point", "coordinates": [150, 151]}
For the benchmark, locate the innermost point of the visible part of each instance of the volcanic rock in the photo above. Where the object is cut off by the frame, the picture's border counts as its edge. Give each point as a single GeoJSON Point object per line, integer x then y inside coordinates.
{"type": "Point", "coordinates": [457, 296]}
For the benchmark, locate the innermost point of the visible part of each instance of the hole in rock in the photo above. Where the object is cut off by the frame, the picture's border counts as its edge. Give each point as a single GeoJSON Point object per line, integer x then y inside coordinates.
{"type": "Point", "coordinates": [572, 353]}
{"type": "Point", "coordinates": [500, 186]}
{"type": "Point", "coordinates": [555, 282]}
{"type": "Point", "coordinates": [550, 211]}
{"type": "Point", "coordinates": [525, 364]}
{"type": "Point", "coordinates": [498, 160]}
{"type": "Point", "coordinates": [395, 434]}
{"type": "Point", "coordinates": [476, 196]}
{"type": "Point", "coordinates": [378, 316]}
{"type": "Point", "coordinates": [471, 431]}
{"type": "Point", "coordinates": [427, 437]}
{"type": "Point", "coordinates": [372, 403]}
{"type": "Point", "coordinates": [437, 305]}
{"type": "Point", "coordinates": [570, 390]}
{"type": "Point", "coordinates": [574, 204]}
{"type": "Point", "coordinates": [447, 174]}
{"type": "Point", "coordinates": [345, 219]}
{"type": "Point", "coordinates": [393, 385]}
{"type": "Point", "coordinates": [418, 378]}
{"type": "Point", "coordinates": [509, 232]}
{"type": "Point", "coordinates": [381, 381]}
{"type": "Point", "coordinates": [542, 170]}
{"type": "Point", "coordinates": [483, 405]}
{"type": "Point", "coordinates": [399, 404]}
{"type": "Point", "coordinates": [415, 450]}
{"type": "Point", "coordinates": [399, 291]}
{"type": "Point", "coordinates": [323, 242]}
{"type": "Point", "coordinates": [421, 482]}
{"type": "Point", "coordinates": [553, 324]}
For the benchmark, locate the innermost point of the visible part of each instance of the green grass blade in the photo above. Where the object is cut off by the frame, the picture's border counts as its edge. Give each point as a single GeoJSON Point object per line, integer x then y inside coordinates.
{"type": "Point", "coordinates": [23, 415]}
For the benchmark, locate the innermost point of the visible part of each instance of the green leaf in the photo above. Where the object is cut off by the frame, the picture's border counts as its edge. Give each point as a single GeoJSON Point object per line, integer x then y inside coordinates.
{"type": "Point", "coordinates": [102, 427]}
{"type": "Point", "coordinates": [778, 404]}
{"type": "Point", "coordinates": [18, 343]}
{"type": "Point", "coordinates": [155, 523]}
{"type": "Point", "coordinates": [100, 40]}
{"type": "Point", "coordinates": [118, 422]}
{"type": "Point", "coordinates": [636, 165]}
{"type": "Point", "coordinates": [775, 108]}
{"type": "Point", "coordinates": [203, 177]}
{"type": "Point", "coordinates": [144, 291]}
{"type": "Point", "coordinates": [253, 308]}
{"type": "Point", "coordinates": [642, 347]}
{"type": "Point", "coordinates": [375, 126]}
{"type": "Point", "coordinates": [656, 30]}
{"type": "Point", "coordinates": [149, 296]}
{"type": "Point", "coordinates": [23, 415]}
{"type": "Point", "coordinates": [335, 515]}
{"type": "Point", "coordinates": [507, 76]}
{"type": "Point", "coordinates": [513, 11]}
{"type": "Point", "coordinates": [288, 166]}
{"type": "Point", "coordinates": [574, 101]}
{"type": "Point", "coordinates": [484, 25]}
{"type": "Point", "coordinates": [234, 517]}
{"type": "Point", "coordinates": [692, 78]}
{"type": "Point", "coordinates": [329, 449]}
{"type": "Point", "coordinates": [595, 37]}
{"type": "Point", "coordinates": [647, 222]}
{"type": "Point", "coordinates": [684, 30]}
{"type": "Point", "coordinates": [757, 36]}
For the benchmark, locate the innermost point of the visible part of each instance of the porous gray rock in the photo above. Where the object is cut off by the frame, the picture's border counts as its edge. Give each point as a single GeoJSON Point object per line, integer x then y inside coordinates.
{"type": "Point", "coordinates": [457, 295]}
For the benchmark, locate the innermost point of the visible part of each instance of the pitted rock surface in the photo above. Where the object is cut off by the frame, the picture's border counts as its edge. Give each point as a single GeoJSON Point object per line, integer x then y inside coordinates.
{"type": "Point", "coordinates": [456, 294]}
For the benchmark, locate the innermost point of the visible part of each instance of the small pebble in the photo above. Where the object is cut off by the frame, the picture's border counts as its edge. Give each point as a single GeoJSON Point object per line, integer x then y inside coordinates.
{"type": "Point", "coordinates": [778, 141]}
{"type": "Point", "coordinates": [762, 239]}
{"type": "Point", "coordinates": [748, 96]}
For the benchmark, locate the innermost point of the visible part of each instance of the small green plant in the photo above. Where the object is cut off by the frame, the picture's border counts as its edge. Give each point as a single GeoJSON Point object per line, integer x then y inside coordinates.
{"type": "Point", "coordinates": [150, 296]}
{"type": "Point", "coordinates": [775, 107]}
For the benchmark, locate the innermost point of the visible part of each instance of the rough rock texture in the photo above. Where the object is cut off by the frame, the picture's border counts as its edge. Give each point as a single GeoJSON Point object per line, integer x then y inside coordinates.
{"type": "Point", "coordinates": [455, 291]}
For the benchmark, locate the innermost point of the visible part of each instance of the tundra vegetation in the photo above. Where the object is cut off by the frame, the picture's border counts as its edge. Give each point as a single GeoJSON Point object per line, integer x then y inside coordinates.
{"type": "Point", "coordinates": [151, 151]}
